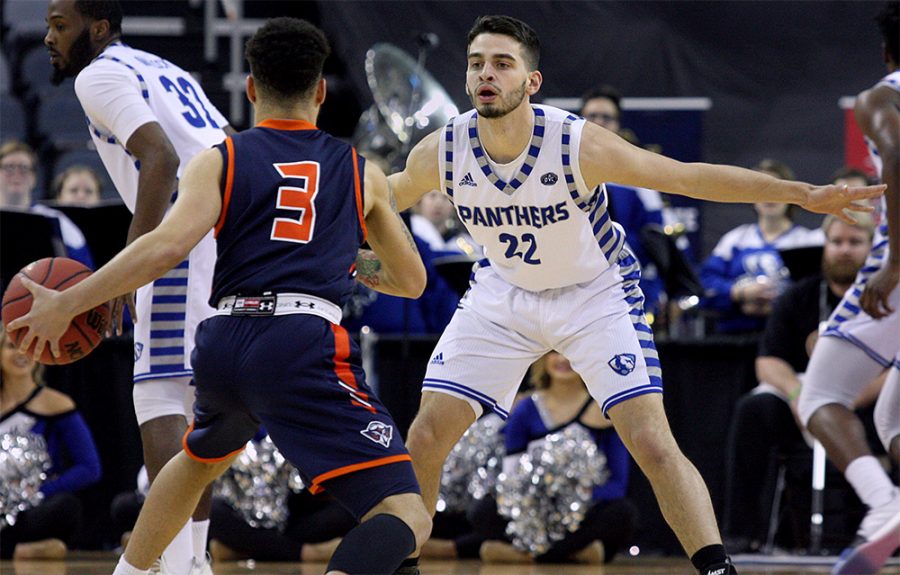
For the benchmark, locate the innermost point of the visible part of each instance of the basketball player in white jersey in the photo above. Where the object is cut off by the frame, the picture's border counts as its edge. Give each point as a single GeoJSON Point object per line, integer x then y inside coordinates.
{"type": "Point", "coordinates": [148, 118]}
{"type": "Point", "coordinates": [863, 337]}
{"type": "Point", "coordinates": [556, 276]}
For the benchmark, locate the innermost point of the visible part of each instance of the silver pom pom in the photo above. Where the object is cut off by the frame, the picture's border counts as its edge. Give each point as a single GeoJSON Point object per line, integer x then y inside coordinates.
{"type": "Point", "coordinates": [258, 483]}
{"type": "Point", "coordinates": [473, 464]}
{"type": "Point", "coordinates": [24, 462]}
{"type": "Point", "coordinates": [550, 490]}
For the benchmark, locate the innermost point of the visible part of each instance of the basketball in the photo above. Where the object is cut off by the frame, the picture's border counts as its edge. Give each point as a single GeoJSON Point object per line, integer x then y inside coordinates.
{"type": "Point", "coordinates": [85, 331]}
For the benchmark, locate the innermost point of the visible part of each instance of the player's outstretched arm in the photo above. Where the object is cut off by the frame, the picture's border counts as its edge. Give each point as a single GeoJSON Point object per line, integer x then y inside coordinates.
{"type": "Point", "coordinates": [420, 175]}
{"type": "Point", "coordinates": [195, 212]}
{"type": "Point", "coordinates": [605, 157]}
{"type": "Point", "coordinates": [393, 266]}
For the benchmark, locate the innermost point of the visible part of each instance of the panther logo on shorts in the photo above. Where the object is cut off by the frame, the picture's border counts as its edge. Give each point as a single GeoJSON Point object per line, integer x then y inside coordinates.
{"type": "Point", "coordinates": [138, 351]}
{"type": "Point", "coordinates": [623, 364]}
{"type": "Point", "coordinates": [379, 433]}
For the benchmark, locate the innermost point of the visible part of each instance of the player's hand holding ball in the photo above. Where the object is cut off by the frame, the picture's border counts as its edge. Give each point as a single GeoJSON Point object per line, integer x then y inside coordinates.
{"type": "Point", "coordinates": [36, 321]}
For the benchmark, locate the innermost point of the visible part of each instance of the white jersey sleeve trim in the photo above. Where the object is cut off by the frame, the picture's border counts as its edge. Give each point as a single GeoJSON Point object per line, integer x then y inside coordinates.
{"type": "Point", "coordinates": [111, 96]}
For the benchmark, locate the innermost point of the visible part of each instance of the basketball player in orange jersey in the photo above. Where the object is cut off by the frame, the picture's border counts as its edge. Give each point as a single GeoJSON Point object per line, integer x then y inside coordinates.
{"type": "Point", "coordinates": [290, 206]}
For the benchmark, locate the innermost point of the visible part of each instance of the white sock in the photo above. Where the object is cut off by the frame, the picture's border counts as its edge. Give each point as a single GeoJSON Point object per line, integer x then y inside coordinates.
{"type": "Point", "coordinates": [870, 481]}
{"type": "Point", "coordinates": [200, 531]}
{"type": "Point", "coordinates": [179, 555]}
{"type": "Point", "coordinates": [126, 568]}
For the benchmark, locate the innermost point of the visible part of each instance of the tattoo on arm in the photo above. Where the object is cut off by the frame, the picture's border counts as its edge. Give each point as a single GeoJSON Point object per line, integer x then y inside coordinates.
{"type": "Point", "coordinates": [368, 268]}
{"type": "Point", "coordinates": [409, 238]}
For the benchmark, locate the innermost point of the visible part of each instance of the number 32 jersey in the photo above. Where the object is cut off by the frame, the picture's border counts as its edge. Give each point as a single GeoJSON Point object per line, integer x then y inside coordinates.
{"type": "Point", "coordinates": [540, 225]}
{"type": "Point", "coordinates": [123, 89]}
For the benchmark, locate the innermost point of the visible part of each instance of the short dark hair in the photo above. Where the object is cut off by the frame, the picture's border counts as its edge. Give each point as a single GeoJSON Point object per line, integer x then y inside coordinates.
{"type": "Point", "coordinates": [109, 10]}
{"type": "Point", "coordinates": [516, 29]}
{"type": "Point", "coordinates": [889, 23]}
{"type": "Point", "coordinates": [286, 57]}
{"type": "Point", "coordinates": [606, 92]}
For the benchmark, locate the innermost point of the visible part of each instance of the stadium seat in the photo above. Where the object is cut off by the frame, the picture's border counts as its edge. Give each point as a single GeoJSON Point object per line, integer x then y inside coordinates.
{"type": "Point", "coordinates": [12, 119]}
{"type": "Point", "coordinates": [61, 121]}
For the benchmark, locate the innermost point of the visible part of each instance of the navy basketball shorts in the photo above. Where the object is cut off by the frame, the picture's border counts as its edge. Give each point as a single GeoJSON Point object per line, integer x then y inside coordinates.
{"type": "Point", "coordinates": [299, 376]}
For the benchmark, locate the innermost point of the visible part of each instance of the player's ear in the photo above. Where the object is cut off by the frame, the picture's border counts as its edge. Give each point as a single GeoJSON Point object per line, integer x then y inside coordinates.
{"type": "Point", "coordinates": [251, 89]}
{"type": "Point", "coordinates": [535, 79]}
{"type": "Point", "coordinates": [99, 30]}
{"type": "Point", "coordinates": [321, 91]}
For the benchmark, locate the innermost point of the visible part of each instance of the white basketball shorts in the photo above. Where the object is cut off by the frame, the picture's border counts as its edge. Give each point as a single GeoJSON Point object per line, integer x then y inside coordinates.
{"type": "Point", "coordinates": [500, 330]}
{"type": "Point", "coordinates": [169, 310]}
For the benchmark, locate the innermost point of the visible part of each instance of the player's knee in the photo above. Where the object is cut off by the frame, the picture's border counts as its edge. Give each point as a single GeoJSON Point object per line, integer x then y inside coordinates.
{"type": "Point", "coordinates": [887, 424]}
{"type": "Point", "coordinates": [410, 508]}
{"type": "Point", "coordinates": [653, 449]}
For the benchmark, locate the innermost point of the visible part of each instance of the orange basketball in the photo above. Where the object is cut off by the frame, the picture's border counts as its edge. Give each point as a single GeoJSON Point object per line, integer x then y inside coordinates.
{"type": "Point", "coordinates": [86, 330]}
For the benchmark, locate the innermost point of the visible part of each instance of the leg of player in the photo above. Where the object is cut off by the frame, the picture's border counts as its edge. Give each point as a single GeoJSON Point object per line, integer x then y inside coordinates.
{"type": "Point", "coordinates": [887, 412]}
{"type": "Point", "coordinates": [173, 497]}
{"type": "Point", "coordinates": [161, 439]}
{"type": "Point", "coordinates": [682, 495]}
{"type": "Point", "coordinates": [395, 528]}
{"type": "Point", "coordinates": [441, 421]}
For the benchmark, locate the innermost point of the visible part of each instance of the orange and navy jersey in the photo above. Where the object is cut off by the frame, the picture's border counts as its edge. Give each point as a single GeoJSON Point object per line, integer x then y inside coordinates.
{"type": "Point", "coordinates": [292, 213]}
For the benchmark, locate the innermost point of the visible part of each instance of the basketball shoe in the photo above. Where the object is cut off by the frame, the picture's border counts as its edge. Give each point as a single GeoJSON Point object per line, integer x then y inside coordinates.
{"type": "Point", "coordinates": [879, 535]}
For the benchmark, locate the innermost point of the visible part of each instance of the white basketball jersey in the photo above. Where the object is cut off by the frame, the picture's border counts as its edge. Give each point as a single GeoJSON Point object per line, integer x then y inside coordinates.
{"type": "Point", "coordinates": [170, 96]}
{"type": "Point", "coordinates": [542, 228]}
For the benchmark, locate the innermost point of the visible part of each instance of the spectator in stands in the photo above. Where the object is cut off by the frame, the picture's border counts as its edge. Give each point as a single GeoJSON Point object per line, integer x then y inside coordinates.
{"type": "Point", "coordinates": [18, 169]}
{"type": "Point", "coordinates": [78, 185]}
{"type": "Point", "coordinates": [633, 208]}
{"type": "Point", "coordinates": [26, 406]}
{"type": "Point", "coordinates": [766, 422]}
{"type": "Point", "coordinates": [562, 399]}
{"type": "Point", "coordinates": [745, 273]}
{"type": "Point", "coordinates": [434, 220]}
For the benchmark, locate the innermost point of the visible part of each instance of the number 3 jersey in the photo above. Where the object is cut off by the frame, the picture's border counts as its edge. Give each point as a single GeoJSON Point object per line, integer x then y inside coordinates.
{"type": "Point", "coordinates": [539, 223]}
{"type": "Point", "coordinates": [123, 89]}
{"type": "Point", "coordinates": [292, 213]}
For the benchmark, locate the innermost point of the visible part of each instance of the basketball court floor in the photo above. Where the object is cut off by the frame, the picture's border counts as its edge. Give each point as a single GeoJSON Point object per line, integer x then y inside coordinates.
{"type": "Point", "coordinates": [103, 564]}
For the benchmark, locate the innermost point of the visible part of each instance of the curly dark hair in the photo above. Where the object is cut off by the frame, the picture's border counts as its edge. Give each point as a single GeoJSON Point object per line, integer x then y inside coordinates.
{"type": "Point", "coordinates": [109, 10]}
{"type": "Point", "coordinates": [286, 57]}
{"type": "Point", "coordinates": [889, 24]}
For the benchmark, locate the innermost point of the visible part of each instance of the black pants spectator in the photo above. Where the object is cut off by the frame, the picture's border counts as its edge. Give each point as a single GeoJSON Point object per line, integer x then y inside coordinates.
{"type": "Point", "coordinates": [312, 519]}
{"type": "Point", "coordinates": [57, 517]}
{"type": "Point", "coordinates": [764, 435]}
{"type": "Point", "coordinates": [612, 523]}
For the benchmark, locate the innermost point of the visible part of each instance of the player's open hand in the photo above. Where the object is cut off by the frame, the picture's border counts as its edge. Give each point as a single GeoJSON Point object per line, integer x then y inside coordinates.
{"type": "Point", "coordinates": [834, 199]}
{"type": "Point", "coordinates": [874, 299]}
{"type": "Point", "coordinates": [46, 322]}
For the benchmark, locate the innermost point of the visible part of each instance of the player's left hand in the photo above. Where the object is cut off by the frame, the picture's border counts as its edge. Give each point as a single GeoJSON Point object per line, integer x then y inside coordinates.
{"type": "Point", "coordinates": [119, 304]}
{"type": "Point", "coordinates": [874, 299]}
{"type": "Point", "coordinates": [46, 322]}
{"type": "Point", "coordinates": [834, 199]}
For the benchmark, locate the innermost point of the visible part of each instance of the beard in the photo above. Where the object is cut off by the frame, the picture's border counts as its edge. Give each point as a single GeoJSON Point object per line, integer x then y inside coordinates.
{"type": "Point", "coordinates": [501, 108]}
{"type": "Point", "coordinates": [841, 272]}
{"type": "Point", "coordinates": [80, 55]}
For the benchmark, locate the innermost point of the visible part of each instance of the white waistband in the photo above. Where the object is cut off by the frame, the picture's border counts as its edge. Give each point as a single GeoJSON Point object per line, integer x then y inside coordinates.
{"type": "Point", "coordinates": [278, 304]}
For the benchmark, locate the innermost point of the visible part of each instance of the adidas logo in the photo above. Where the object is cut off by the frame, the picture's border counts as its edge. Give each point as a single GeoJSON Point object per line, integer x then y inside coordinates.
{"type": "Point", "coordinates": [438, 359]}
{"type": "Point", "coordinates": [467, 180]}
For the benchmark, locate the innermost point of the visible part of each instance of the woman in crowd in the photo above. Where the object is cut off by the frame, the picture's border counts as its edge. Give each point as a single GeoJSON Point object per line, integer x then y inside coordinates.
{"type": "Point", "coordinates": [26, 406]}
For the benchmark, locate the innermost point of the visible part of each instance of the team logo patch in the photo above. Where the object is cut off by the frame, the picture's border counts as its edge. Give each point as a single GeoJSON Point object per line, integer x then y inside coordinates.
{"type": "Point", "coordinates": [623, 364]}
{"type": "Point", "coordinates": [467, 180]}
{"type": "Point", "coordinates": [254, 306]}
{"type": "Point", "coordinates": [438, 359]}
{"type": "Point", "coordinates": [138, 351]}
{"type": "Point", "coordinates": [378, 432]}
{"type": "Point", "coordinates": [549, 179]}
